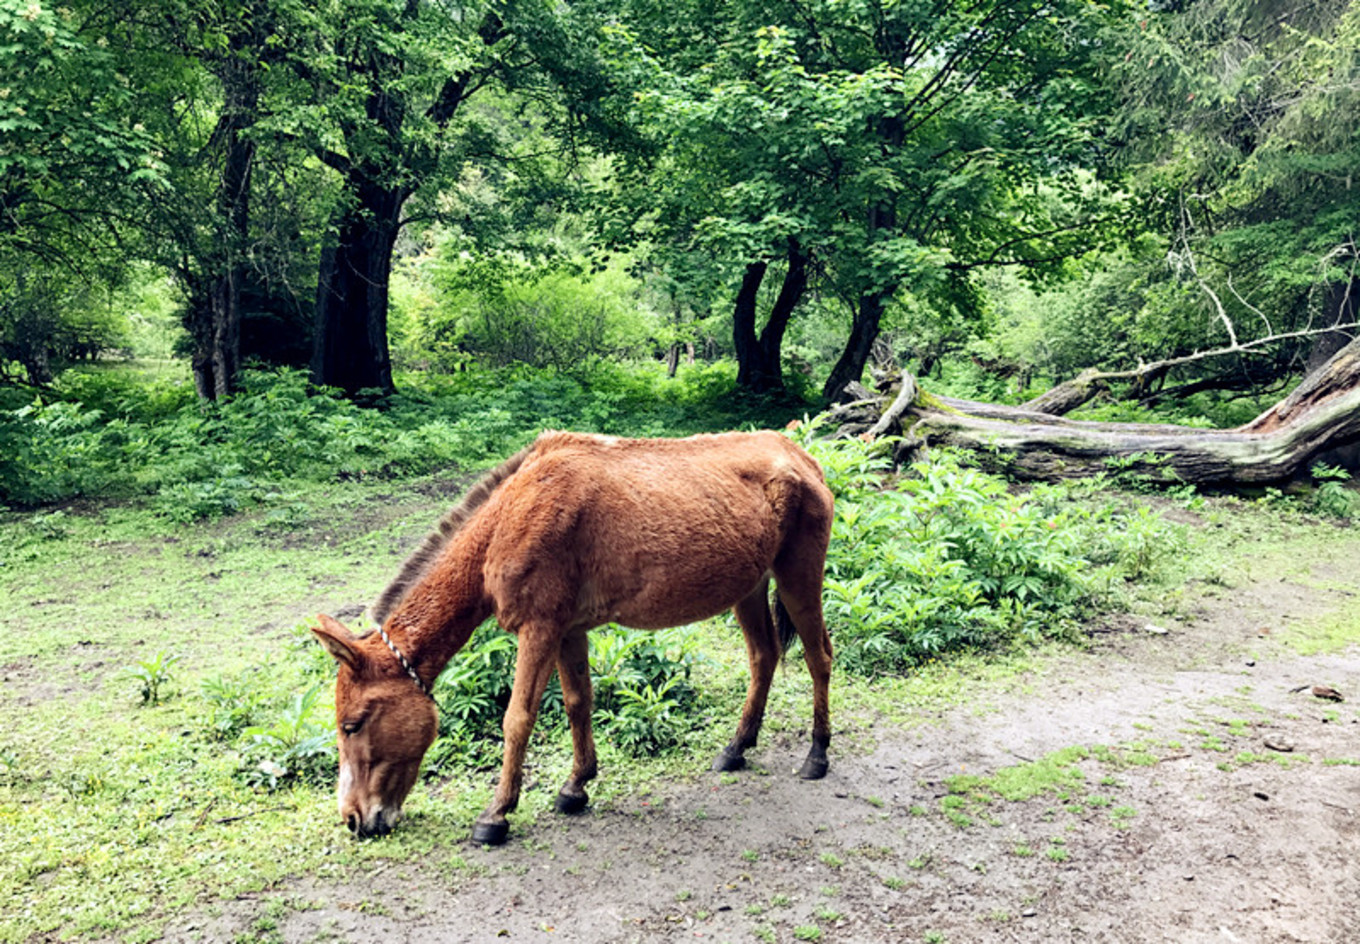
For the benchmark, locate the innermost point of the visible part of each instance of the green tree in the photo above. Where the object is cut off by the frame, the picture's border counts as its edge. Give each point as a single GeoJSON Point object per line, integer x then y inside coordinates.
{"type": "Point", "coordinates": [1241, 126]}
{"type": "Point", "coordinates": [859, 148]}
{"type": "Point", "coordinates": [72, 153]}
{"type": "Point", "coordinates": [382, 98]}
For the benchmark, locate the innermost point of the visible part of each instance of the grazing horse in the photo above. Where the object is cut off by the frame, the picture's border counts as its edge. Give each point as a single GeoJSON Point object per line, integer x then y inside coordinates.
{"type": "Point", "coordinates": [574, 532]}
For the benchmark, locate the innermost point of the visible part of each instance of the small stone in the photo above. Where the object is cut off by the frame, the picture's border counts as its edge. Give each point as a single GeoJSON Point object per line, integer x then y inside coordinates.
{"type": "Point", "coordinates": [1028, 913]}
{"type": "Point", "coordinates": [1282, 744]}
{"type": "Point", "coordinates": [1155, 630]}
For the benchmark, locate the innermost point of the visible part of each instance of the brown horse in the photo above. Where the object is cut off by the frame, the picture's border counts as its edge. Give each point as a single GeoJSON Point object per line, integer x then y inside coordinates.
{"type": "Point", "coordinates": [574, 532]}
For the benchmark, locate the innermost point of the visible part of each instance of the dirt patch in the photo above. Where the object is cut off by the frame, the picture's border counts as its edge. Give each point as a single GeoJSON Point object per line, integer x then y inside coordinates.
{"type": "Point", "coordinates": [1213, 799]}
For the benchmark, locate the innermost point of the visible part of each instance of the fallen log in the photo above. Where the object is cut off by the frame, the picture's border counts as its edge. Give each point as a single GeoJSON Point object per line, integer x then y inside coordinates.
{"type": "Point", "coordinates": [1090, 383]}
{"type": "Point", "coordinates": [1321, 414]}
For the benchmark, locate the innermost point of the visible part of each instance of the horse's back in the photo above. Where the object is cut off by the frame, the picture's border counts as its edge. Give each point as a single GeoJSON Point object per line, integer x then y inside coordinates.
{"type": "Point", "coordinates": [649, 532]}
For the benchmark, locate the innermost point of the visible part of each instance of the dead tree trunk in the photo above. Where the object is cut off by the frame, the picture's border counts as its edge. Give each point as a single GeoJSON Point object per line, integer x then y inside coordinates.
{"type": "Point", "coordinates": [1323, 413]}
{"type": "Point", "coordinates": [1071, 394]}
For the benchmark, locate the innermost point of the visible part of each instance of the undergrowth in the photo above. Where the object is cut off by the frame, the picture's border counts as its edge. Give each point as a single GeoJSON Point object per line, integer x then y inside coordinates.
{"type": "Point", "coordinates": [945, 557]}
{"type": "Point", "coordinates": [99, 435]}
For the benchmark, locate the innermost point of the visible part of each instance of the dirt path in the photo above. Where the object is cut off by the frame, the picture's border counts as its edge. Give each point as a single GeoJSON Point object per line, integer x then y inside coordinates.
{"type": "Point", "coordinates": [1179, 824]}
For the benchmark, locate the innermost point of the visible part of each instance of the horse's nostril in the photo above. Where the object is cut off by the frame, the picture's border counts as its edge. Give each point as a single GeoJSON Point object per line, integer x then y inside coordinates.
{"type": "Point", "coordinates": [352, 821]}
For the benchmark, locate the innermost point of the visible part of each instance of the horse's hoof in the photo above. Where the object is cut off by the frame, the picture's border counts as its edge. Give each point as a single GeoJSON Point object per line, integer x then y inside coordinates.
{"type": "Point", "coordinates": [571, 802]}
{"type": "Point", "coordinates": [490, 834]}
{"type": "Point", "coordinates": [726, 761]}
{"type": "Point", "coordinates": [814, 768]}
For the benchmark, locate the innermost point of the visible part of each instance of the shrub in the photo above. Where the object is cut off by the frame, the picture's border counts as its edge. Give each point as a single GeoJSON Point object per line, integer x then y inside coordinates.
{"type": "Point", "coordinates": [644, 701]}
{"type": "Point", "coordinates": [1332, 497]}
{"type": "Point", "coordinates": [504, 309]}
{"type": "Point", "coordinates": [233, 703]}
{"type": "Point", "coordinates": [299, 745]}
{"type": "Point", "coordinates": [154, 675]}
{"type": "Point", "coordinates": [202, 460]}
{"type": "Point", "coordinates": [944, 558]}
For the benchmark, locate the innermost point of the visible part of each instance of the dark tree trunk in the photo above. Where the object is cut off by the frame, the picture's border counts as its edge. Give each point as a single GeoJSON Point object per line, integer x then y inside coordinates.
{"type": "Point", "coordinates": [351, 350]}
{"type": "Point", "coordinates": [759, 360]}
{"type": "Point", "coordinates": [863, 332]}
{"type": "Point", "coordinates": [753, 372]}
{"type": "Point", "coordinates": [881, 218]}
{"type": "Point", "coordinates": [215, 318]}
{"type": "Point", "coordinates": [1343, 304]}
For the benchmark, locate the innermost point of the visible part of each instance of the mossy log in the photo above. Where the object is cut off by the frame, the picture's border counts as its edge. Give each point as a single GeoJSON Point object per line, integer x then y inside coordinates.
{"type": "Point", "coordinates": [1321, 414]}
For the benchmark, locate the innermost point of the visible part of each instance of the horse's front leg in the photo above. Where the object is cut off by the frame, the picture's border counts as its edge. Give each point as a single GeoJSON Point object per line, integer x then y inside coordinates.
{"type": "Point", "coordinates": [762, 648]}
{"type": "Point", "coordinates": [533, 669]}
{"type": "Point", "coordinates": [573, 668]}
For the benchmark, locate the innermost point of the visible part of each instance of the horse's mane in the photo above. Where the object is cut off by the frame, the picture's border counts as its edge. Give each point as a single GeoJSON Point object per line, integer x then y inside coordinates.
{"type": "Point", "coordinates": [424, 556]}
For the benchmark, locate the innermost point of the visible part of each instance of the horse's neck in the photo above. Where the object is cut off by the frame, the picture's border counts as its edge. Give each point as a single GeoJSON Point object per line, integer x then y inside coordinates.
{"type": "Point", "coordinates": [437, 616]}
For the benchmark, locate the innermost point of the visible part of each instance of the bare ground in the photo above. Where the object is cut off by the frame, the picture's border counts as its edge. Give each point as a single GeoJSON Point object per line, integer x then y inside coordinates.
{"type": "Point", "coordinates": [1191, 829]}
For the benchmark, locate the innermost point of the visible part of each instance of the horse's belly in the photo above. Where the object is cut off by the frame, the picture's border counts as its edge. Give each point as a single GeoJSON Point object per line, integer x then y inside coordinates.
{"type": "Point", "coordinates": [674, 598]}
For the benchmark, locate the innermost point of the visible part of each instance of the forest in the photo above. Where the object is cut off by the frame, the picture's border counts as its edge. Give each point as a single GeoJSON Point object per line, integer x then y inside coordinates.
{"type": "Point", "coordinates": [1149, 202]}
{"type": "Point", "coordinates": [1061, 295]}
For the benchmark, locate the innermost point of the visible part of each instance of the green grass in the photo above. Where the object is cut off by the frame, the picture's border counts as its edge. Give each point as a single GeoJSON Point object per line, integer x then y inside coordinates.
{"type": "Point", "coordinates": [115, 817]}
{"type": "Point", "coordinates": [1331, 633]}
{"type": "Point", "coordinates": [1053, 773]}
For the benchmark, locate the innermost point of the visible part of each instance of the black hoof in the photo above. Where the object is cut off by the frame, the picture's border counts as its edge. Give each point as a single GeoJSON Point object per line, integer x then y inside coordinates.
{"type": "Point", "coordinates": [814, 768]}
{"type": "Point", "coordinates": [490, 834]}
{"type": "Point", "coordinates": [571, 802]}
{"type": "Point", "coordinates": [726, 761]}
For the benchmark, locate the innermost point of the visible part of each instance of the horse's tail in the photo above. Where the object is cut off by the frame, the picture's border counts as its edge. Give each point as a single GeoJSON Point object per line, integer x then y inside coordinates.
{"type": "Point", "coordinates": [783, 624]}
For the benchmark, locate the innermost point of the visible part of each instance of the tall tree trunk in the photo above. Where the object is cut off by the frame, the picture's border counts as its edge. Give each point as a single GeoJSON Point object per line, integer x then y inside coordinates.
{"type": "Point", "coordinates": [351, 350]}
{"type": "Point", "coordinates": [873, 299]}
{"type": "Point", "coordinates": [790, 294]}
{"type": "Point", "coordinates": [863, 332]}
{"type": "Point", "coordinates": [216, 318]}
{"type": "Point", "coordinates": [1342, 306]}
{"type": "Point", "coordinates": [753, 373]}
{"type": "Point", "coordinates": [759, 359]}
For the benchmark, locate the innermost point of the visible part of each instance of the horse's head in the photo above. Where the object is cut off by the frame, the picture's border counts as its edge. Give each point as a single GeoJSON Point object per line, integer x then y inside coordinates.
{"type": "Point", "coordinates": [385, 725]}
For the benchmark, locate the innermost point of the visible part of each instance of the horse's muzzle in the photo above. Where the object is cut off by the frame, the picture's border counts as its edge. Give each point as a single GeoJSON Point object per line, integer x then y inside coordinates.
{"type": "Point", "coordinates": [380, 823]}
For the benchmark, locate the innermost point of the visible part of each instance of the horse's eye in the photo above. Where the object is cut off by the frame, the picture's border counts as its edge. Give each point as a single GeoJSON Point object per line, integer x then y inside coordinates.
{"type": "Point", "coordinates": [351, 727]}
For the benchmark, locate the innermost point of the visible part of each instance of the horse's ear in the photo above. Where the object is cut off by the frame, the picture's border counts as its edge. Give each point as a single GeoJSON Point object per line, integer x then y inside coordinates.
{"type": "Point", "coordinates": [337, 640]}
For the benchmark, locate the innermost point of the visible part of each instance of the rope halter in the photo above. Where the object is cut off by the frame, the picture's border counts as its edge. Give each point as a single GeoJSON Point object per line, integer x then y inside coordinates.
{"type": "Point", "coordinates": [410, 669]}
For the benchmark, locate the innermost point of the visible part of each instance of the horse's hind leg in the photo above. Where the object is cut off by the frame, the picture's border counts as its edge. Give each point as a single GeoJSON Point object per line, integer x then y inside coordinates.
{"type": "Point", "coordinates": [534, 663]}
{"type": "Point", "coordinates": [573, 668]}
{"type": "Point", "coordinates": [762, 648]}
{"type": "Point", "coordinates": [800, 595]}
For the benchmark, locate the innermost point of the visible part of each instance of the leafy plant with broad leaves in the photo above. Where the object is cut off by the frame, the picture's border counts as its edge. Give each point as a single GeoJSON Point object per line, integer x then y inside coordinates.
{"type": "Point", "coordinates": [299, 745]}
{"type": "Point", "coordinates": [154, 675]}
{"type": "Point", "coordinates": [946, 557]}
{"type": "Point", "coordinates": [644, 699]}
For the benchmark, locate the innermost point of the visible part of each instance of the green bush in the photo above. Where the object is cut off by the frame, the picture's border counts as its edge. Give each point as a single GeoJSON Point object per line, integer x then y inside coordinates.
{"type": "Point", "coordinates": [233, 703]}
{"type": "Point", "coordinates": [1332, 496]}
{"type": "Point", "coordinates": [502, 309]}
{"type": "Point", "coordinates": [644, 701]}
{"type": "Point", "coordinates": [202, 460]}
{"type": "Point", "coordinates": [947, 557]}
{"type": "Point", "coordinates": [298, 746]}
{"type": "Point", "coordinates": [153, 675]}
